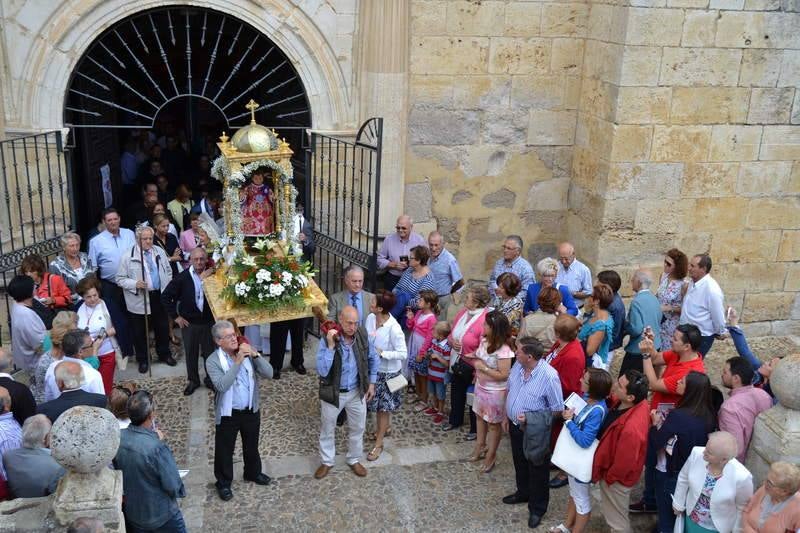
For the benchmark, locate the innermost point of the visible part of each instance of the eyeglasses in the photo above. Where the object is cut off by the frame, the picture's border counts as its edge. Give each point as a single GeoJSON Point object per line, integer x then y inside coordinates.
{"type": "Point", "coordinates": [510, 247]}
{"type": "Point", "coordinates": [86, 346]}
{"type": "Point", "coordinates": [228, 337]}
{"type": "Point", "coordinates": [400, 227]}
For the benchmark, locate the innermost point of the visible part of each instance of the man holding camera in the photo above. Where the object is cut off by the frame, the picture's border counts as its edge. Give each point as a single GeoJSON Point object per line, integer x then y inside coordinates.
{"type": "Point", "coordinates": [347, 364]}
{"type": "Point", "coordinates": [234, 370]}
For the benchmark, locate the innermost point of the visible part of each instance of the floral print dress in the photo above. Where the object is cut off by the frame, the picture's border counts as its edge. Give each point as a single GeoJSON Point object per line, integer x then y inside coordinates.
{"type": "Point", "coordinates": [670, 292]}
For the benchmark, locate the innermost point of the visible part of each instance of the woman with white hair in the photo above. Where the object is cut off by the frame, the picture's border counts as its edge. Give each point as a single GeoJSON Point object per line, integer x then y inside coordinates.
{"type": "Point", "coordinates": [72, 265]}
{"type": "Point", "coordinates": [713, 488]}
{"type": "Point", "coordinates": [547, 269]}
{"type": "Point", "coordinates": [775, 507]}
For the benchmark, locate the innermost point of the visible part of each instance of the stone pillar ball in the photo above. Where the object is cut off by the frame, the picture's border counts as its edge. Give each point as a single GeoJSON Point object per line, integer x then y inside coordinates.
{"type": "Point", "coordinates": [85, 439]}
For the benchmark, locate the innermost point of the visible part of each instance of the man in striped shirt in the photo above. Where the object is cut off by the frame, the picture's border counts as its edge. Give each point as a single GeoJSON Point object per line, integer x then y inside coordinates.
{"type": "Point", "coordinates": [533, 385]}
{"type": "Point", "coordinates": [10, 430]}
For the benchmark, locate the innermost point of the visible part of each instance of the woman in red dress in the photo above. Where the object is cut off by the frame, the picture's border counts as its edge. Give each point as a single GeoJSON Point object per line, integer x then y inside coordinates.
{"type": "Point", "coordinates": [257, 206]}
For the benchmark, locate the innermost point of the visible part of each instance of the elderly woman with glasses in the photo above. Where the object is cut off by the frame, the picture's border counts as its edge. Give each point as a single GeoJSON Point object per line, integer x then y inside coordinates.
{"type": "Point", "coordinates": [72, 265]}
{"type": "Point", "coordinates": [775, 507]}
{"type": "Point", "coordinates": [547, 269]}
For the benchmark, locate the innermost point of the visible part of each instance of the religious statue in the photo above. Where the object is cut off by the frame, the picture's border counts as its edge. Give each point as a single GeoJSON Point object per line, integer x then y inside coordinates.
{"type": "Point", "coordinates": [257, 205]}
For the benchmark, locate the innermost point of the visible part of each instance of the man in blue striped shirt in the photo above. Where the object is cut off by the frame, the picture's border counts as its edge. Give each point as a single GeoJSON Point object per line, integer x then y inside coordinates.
{"type": "Point", "coordinates": [533, 385]}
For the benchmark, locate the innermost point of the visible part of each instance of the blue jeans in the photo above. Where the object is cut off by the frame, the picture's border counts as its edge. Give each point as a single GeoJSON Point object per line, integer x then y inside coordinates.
{"type": "Point", "coordinates": [705, 345]}
{"type": "Point", "coordinates": [437, 388]}
{"type": "Point", "coordinates": [665, 487]}
{"type": "Point", "coordinates": [743, 349]}
{"type": "Point", "coordinates": [174, 525]}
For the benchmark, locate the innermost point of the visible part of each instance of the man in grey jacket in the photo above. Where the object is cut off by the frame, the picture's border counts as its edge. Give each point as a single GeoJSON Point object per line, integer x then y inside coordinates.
{"type": "Point", "coordinates": [144, 269]}
{"type": "Point", "coordinates": [31, 471]}
{"type": "Point", "coordinates": [234, 369]}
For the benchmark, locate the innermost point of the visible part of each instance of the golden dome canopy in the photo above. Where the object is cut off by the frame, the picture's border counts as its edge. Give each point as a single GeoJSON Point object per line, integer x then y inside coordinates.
{"type": "Point", "coordinates": [254, 137]}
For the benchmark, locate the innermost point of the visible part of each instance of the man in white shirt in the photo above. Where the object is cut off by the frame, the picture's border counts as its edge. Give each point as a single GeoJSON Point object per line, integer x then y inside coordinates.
{"type": "Point", "coordinates": [76, 344]}
{"type": "Point", "coordinates": [703, 304]}
{"type": "Point", "coordinates": [573, 274]}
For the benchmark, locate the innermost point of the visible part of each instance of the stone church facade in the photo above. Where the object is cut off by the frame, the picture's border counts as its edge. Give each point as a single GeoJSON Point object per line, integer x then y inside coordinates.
{"type": "Point", "coordinates": [626, 127]}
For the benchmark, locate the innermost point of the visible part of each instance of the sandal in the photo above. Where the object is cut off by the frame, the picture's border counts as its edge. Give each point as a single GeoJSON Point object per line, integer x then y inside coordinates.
{"type": "Point", "coordinates": [560, 528]}
{"type": "Point", "coordinates": [375, 453]}
{"type": "Point", "coordinates": [374, 435]}
{"type": "Point", "coordinates": [481, 454]}
{"type": "Point", "coordinates": [486, 469]}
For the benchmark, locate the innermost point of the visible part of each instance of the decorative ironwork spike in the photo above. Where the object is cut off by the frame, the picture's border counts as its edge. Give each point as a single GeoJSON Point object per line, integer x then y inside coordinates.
{"type": "Point", "coordinates": [140, 65]}
{"type": "Point", "coordinates": [123, 83]}
{"type": "Point", "coordinates": [102, 86]}
{"type": "Point", "coordinates": [253, 86]}
{"type": "Point", "coordinates": [235, 39]}
{"type": "Point", "coordinates": [213, 56]}
{"type": "Point", "coordinates": [111, 104]}
{"type": "Point", "coordinates": [171, 30]}
{"type": "Point", "coordinates": [164, 57]}
{"type": "Point", "coordinates": [293, 113]}
{"type": "Point", "coordinates": [281, 84]}
{"type": "Point", "coordinates": [113, 56]}
{"type": "Point", "coordinates": [84, 111]}
{"type": "Point", "coordinates": [287, 99]}
{"type": "Point", "coordinates": [236, 67]}
{"type": "Point", "coordinates": [261, 60]}
{"type": "Point", "coordinates": [139, 35]}
{"type": "Point", "coordinates": [203, 36]}
{"type": "Point", "coordinates": [188, 55]}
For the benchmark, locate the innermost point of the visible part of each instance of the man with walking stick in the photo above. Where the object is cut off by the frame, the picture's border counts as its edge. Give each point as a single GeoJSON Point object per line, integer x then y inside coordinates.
{"type": "Point", "coordinates": [144, 271]}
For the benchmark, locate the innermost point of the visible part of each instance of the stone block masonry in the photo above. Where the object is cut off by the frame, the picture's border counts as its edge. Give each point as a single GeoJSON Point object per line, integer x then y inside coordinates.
{"type": "Point", "coordinates": [627, 129]}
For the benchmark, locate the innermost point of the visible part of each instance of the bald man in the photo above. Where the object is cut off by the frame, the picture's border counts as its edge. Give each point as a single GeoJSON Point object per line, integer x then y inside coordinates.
{"type": "Point", "coordinates": [347, 364]}
{"type": "Point", "coordinates": [573, 273]}
{"type": "Point", "coordinates": [69, 378]}
{"type": "Point", "coordinates": [395, 249]}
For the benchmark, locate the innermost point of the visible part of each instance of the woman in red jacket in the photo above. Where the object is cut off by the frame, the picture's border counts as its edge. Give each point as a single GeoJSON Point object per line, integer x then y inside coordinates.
{"type": "Point", "coordinates": [619, 458]}
{"type": "Point", "coordinates": [50, 289]}
{"type": "Point", "coordinates": [568, 359]}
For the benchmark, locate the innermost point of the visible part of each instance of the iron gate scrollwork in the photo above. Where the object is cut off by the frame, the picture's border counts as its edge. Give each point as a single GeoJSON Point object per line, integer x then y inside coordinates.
{"type": "Point", "coordinates": [342, 203]}
{"type": "Point", "coordinates": [35, 202]}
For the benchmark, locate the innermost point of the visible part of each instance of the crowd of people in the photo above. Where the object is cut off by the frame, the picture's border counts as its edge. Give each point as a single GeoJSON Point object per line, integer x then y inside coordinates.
{"type": "Point", "coordinates": [527, 354]}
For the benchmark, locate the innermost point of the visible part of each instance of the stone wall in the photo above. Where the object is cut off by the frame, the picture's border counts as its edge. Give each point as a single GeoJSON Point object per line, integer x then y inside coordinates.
{"type": "Point", "coordinates": [493, 94]}
{"type": "Point", "coordinates": [690, 112]}
{"type": "Point", "coordinates": [628, 129]}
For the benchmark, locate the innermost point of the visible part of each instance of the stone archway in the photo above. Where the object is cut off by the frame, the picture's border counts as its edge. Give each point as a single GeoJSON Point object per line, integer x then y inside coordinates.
{"type": "Point", "coordinates": [53, 57]}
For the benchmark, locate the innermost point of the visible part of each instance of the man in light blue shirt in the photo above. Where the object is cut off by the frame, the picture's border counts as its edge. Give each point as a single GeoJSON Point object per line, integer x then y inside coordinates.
{"type": "Point", "coordinates": [106, 249]}
{"type": "Point", "coordinates": [446, 275]}
{"type": "Point", "coordinates": [573, 274]}
{"type": "Point", "coordinates": [347, 362]}
{"type": "Point", "coordinates": [514, 263]}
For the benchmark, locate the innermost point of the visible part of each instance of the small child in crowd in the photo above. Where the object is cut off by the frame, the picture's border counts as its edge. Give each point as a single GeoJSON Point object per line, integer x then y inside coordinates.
{"type": "Point", "coordinates": [437, 372]}
{"type": "Point", "coordinates": [421, 327]}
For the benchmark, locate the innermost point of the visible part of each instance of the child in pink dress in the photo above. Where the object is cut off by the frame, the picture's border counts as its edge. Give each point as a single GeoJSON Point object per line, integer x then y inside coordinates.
{"type": "Point", "coordinates": [421, 326]}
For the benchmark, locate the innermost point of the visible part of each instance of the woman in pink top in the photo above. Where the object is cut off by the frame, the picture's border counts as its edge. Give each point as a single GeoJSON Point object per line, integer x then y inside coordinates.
{"type": "Point", "coordinates": [189, 239]}
{"type": "Point", "coordinates": [465, 339]}
{"type": "Point", "coordinates": [775, 507]}
{"type": "Point", "coordinates": [492, 363]}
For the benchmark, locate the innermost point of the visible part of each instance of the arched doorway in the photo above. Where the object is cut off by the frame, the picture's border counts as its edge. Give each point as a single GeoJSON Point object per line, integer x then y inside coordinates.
{"type": "Point", "coordinates": [183, 72]}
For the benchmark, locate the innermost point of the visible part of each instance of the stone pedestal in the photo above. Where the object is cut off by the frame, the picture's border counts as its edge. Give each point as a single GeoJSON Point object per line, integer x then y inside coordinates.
{"type": "Point", "coordinates": [776, 436]}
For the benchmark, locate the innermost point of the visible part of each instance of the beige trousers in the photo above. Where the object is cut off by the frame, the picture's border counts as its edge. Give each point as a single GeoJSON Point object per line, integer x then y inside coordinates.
{"type": "Point", "coordinates": [614, 506]}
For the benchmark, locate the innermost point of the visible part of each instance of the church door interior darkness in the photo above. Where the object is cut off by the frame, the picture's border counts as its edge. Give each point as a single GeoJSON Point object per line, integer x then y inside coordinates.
{"type": "Point", "coordinates": [178, 72]}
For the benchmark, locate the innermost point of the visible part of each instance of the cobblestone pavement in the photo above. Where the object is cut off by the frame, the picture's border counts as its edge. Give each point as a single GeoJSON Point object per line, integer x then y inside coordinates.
{"type": "Point", "coordinates": [421, 482]}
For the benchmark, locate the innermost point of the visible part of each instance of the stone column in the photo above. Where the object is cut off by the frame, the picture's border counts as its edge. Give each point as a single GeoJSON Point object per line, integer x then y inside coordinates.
{"type": "Point", "coordinates": [382, 48]}
{"type": "Point", "coordinates": [776, 436]}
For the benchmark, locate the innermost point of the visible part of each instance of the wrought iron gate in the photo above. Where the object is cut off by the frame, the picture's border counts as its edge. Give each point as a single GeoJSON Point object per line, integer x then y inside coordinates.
{"type": "Point", "coordinates": [35, 204]}
{"type": "Point", "coordinates": [343, 187]}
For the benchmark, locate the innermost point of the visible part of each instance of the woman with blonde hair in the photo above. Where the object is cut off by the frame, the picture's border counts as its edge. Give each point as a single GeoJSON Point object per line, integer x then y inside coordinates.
{"type": "Point", "coordinates": [775, 507]}
{"type": "Point", "coordinates": [63, 322]}
{"type": "Point", "coordinates": [72, 265]}
{"type": "Point", "coordinates": [547, 269]}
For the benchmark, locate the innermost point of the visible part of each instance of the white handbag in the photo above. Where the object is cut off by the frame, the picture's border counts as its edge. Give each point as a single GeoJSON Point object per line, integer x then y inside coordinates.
{"type": "Point", "coordinates": [571, 458]}
{"type": "Point", "coordinates": [396, 383]}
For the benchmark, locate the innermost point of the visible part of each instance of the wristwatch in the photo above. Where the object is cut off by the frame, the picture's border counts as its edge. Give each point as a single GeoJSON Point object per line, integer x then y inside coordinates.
{"type": "Point", "coordinates": [646, 356]}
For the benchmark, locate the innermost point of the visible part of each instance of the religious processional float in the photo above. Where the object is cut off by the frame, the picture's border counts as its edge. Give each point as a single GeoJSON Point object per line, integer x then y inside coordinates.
{"type": "Point", "coordinates": [260, 275]}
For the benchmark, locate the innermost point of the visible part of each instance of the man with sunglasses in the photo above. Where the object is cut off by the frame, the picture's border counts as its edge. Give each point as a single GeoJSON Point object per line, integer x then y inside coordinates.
{"type": "Point", "coordinates": [396, 248]}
